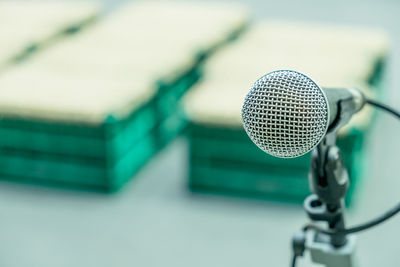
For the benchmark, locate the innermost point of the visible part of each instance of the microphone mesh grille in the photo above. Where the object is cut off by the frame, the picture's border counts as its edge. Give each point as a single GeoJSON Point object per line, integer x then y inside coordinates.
{"type": "Point", "coordinates": [285, 114]}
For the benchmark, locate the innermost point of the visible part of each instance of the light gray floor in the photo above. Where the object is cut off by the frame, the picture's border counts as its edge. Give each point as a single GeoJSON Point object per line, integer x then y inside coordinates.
{"type": "Point", "coordinates": [155, 221]}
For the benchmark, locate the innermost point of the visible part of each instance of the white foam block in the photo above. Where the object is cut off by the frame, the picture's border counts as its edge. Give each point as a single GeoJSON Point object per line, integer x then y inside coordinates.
{"type": "Point", "coordinates": [26, 23]}
{"type": "Point", "coordinates": [113, 67]}
{"type": "Point", "coordinates": [334, 56]}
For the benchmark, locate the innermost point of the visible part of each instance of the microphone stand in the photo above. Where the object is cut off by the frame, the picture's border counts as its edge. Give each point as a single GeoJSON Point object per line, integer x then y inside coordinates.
{"type": "Point", "coordinates": [329, 182]}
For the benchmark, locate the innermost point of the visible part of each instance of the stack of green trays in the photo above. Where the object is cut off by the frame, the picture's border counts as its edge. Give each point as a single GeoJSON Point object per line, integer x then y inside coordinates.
{"type": "Point", "coordinates": [222, 157]}
{"type": "Point", "coordinates": [30, 26]}
{"type": "Point", "coordinates": [98, 156]}
{"type": "Point", "coordinates": [223, 160]}
{"type": "Point", "coordinates": [89, 111]}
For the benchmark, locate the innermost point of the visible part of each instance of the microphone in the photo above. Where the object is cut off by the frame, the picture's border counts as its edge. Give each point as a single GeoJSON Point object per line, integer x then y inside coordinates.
{"type": "Point", "coordinates": [286, 114]}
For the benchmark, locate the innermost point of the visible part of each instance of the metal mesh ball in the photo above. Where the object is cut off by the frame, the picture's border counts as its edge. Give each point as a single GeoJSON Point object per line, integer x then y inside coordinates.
{"type": "Point", "coordinates": [285, 113]}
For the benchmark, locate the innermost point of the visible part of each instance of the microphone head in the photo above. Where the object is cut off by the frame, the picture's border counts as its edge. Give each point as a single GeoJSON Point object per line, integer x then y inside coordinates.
{"type": "Point", "coordinates": [285, 113]}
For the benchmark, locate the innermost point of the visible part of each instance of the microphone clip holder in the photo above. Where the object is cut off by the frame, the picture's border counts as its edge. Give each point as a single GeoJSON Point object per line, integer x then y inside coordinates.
{"type": "Point", "coordinates": [329, 181]}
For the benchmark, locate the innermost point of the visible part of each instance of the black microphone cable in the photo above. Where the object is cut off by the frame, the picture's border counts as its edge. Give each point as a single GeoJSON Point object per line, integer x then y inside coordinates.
{"type": "Point", "coordinates": [293, 262]}
{"type": "Point", "coordinates": [383, 107]}
{"type": "Point", "coordinates": [390, 213]}
{"type": "Point", "coordinates": [364, 226]}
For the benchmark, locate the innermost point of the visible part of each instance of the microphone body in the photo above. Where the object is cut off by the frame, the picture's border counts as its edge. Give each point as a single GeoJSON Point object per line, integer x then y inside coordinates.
{"type": "Point", "coordinates": [343, 103]}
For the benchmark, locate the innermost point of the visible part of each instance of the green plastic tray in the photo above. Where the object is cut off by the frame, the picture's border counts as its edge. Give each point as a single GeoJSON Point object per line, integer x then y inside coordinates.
{"type": "Point", "coordinates": [101, 156]}
{"type": "Point", "coordinates": [75, 171]}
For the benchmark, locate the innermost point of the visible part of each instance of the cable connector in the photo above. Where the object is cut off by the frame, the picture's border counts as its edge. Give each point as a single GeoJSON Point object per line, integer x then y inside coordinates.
{"type": "Point", "coordinates": [298, 246]}
{"type": "Point", "coordinates": [299, 243]}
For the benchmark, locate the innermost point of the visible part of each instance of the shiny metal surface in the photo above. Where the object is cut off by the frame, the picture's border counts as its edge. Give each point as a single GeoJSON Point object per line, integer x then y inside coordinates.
{"type": "Point", "coordinates": [285, 113]}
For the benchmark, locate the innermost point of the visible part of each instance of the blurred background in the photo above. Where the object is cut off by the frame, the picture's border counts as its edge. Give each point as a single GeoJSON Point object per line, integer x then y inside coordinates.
{"type": "Point", "coordinates": [93, 94]}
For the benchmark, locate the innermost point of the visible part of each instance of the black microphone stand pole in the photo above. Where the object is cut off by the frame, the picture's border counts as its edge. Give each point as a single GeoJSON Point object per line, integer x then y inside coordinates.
{"type": "Point", "coordinates": [329, 182]}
